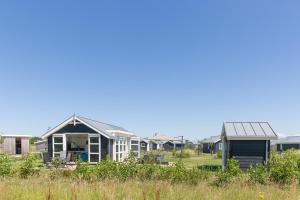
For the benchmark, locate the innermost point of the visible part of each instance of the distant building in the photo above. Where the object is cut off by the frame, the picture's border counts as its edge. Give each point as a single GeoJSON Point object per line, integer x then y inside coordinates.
{"type": "Point", "coordinates": [212, 144]}
{"type": "Point", "coordinates": [15, 144]}
{"type": "Point", "coordinates": [163, 142]}
{"type": "Point", "coordinates": [41, 146]}
{"type": "Point", "coordinates": [289, 142]}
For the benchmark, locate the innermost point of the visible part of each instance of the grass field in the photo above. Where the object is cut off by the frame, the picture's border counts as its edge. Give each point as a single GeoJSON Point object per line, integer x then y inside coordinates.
{"type": "Point", "coordinates": [67, 189]}
{"type": "Point", "coordinates": [195, 159]}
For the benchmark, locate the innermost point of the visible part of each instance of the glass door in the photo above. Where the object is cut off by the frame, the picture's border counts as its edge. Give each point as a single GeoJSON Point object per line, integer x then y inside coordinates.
{"type": "Point", "coordinates": [94, 148]}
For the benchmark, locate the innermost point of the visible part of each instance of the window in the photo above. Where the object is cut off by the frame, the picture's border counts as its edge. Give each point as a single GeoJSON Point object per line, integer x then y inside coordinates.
{"type": "Point", "coordinates": [135, 147]}
{"type": "Point", "coordinates": [121, 150]}
{"type": "Point", "coordinates": [220, 146]}
{"type": "Point", "coordinates": [58, 145]}
{"type": "Point", "coordinates": [143, 145]}
{"type": "Point", "coordinates": [94, 148]}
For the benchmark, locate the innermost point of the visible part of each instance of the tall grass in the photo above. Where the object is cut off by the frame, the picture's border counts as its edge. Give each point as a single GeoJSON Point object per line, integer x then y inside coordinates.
{"type": "Point", "coordinates": [66, 189]}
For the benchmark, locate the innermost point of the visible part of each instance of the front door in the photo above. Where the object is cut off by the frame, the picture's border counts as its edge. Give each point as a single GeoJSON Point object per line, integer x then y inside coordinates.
{"type": "Point", "coordinates": [94, 148]}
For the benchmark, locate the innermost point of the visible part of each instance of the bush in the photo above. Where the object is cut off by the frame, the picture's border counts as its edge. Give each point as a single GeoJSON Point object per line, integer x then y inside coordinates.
{"type": "Point", "coordinates": [230, 173]}
{"type": "Point", "coordinates": [5, 166]}
{"type": "Point", "coordinates": [219, 154]}
{"type": "Point", "coordinates": [83, 170]}
{"type": "Point", "coordinates": [185, 154]}
{"type": "Point", "coordinates": [284, 169]}
{"type": "Point", "coordinates": [29, 166]}
{"type": "Point", "coordinates": [210, 168]}
{"type": "Point", "coordinates": [258, 174]}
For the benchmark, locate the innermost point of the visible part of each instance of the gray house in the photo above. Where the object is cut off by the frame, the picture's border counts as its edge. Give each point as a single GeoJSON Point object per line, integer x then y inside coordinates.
{"type": "Point", "coordinates": [212, 144]}
{"type": "Point", "coordinates": [289, 142]}
{"type": "Point", "coordinates": [247, 142]}
{"type": "Point", "coordinates": [90, 140]}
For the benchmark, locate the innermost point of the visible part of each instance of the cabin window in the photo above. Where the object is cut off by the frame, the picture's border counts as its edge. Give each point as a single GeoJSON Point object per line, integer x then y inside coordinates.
{"type": "Point", "coordinates": [135, 147]}
{"type": "Point", "coordinates": [220, 146]}
{"type": "Point", "coordinates": [94, 148]}
{"type": "Point", "coordinates": [58, 145]}
{"type": "Point", "coordinates": [121, 150]}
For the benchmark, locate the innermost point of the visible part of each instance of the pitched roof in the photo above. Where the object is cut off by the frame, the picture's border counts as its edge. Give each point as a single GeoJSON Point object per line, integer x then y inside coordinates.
{"type": "Point", "coordinates": [248, 131]}
{"type": "Point", "coordinates": [16, 135]}
{"type": "Point", "coordinates": [107, 130]}
{"type": "Point", "coordinates": [161, 138]}
{"type": "Point", "coordinates": [212, 139]}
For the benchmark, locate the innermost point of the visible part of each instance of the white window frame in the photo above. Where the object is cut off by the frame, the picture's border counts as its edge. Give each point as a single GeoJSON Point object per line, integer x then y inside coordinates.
{"type": "Point", "coordinates": [121, 144]}
{"type": "Point", "coordinates": [63, 143]}
{"type": "Point", "coordinates": [143, 144]}
{"type": "Point", "coordinates": [138, 146]}
{"type": "Point", "coordinates": [94, 153]}
{"type": "Point", "coordinates": [220, 146]}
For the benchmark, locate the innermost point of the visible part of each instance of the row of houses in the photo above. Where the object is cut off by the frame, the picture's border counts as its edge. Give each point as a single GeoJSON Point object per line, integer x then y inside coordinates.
{"type": "Point", "coordinates": [89, 140]}
{"type": "Point", "coordinates": [93, 141]}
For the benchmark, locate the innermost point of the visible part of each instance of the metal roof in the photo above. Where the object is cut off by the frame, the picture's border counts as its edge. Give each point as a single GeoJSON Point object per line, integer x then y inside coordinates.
{"type": "Point", "coordinates": [16, 135]}
{"type": "Point", "coordinates": [108, 130]}
{"type": "Point", "coordinates": [248, 131]}
{"type": "Point", "coordinates": [212, 139]}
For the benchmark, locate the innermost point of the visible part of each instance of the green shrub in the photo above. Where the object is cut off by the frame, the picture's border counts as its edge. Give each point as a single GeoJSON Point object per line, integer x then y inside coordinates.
{"type": "Point", "coordinates": [210, 168]}
{"type": "Point", "coordinates": [185, 154]}
{"type": "Point", "coordinates": [83, 170]}
{"type": "Point", "coordinates": [56, 162]}
{"type": "Point", "coordinates": [284, 169]}
{"type": "Point", "coordinates": [258, 174]}
{"type": "Point", "coordinates": [5, 166]}
{"type": "Point", "coordinates": [29, 166]}
{"type": "Point", "coordinates": [231, 172]}
{"type": "Point", "coordinates": [219, 154]}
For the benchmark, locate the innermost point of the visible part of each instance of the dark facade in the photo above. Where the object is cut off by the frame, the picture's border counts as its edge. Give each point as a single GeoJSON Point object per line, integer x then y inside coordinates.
{"type": "Point", "coordinates": [249, 152]}
{"type": "Point", "coordinates": [206, 147]}
{"type": "Point", "coordinates": [284, 147]}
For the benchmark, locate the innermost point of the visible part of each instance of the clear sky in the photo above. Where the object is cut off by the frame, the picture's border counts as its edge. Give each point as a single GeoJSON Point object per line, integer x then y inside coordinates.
{"type": "Point", "coordinates": [172, 67]}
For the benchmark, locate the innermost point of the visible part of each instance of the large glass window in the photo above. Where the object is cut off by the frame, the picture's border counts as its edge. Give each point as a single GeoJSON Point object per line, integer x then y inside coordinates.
{"type": "Point", "coordinates": [94, 148]}
{"type": "Point", "coordinates": [121, 152]}
{"type": "Point", "coordinates": [57, 145]}
{"type": "Point", "coordinates": [135, 147]}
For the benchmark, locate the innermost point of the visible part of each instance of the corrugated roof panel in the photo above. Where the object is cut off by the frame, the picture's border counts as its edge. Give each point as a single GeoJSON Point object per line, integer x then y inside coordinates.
{"type": "Point", "coordinates": [248, 128]}
{"type": "Point", "coordinates": [230, 129]}
{"type": "Point", "coordinates": [258, 129]}
{"type": "Point", "coordinates": [239, 129]}
{"type": "Point", "coordinates": [267, 129]}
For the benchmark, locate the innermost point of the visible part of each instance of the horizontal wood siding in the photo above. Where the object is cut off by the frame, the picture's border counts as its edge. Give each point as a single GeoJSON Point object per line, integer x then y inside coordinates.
{"type": "Point", "coordinates": [247, 152]}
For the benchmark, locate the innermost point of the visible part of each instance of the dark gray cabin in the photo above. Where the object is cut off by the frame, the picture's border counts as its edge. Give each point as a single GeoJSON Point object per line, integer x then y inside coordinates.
{"type": "Point", "coordinates": [173, 145]}
{"type": "Point", "coordinates": [247, 142]}
{"type": "Point", "coordinates": [212, 144]}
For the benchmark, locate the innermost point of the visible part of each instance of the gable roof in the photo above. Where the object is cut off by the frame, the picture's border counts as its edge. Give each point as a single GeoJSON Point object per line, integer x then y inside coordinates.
{"type": "Point", "coordinates": [248, 131]}
{"type": "Point", "coordinates": [212, 139]}
{"type": "Point", "coordinates": [105, 129]}
{"type": "Point", "coordinates": [160, 138]}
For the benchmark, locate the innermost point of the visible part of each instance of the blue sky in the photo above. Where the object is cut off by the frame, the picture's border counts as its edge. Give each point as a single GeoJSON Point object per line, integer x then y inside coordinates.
{"type": "Point", "coordinates": [172, 67]}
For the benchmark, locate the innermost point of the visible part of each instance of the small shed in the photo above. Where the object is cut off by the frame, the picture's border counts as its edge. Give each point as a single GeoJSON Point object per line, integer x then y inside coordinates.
{"type": "Point", "coordinates": [247, 142]}
{"type": "Point", "coordinates": [212, 144]}
{"type": "Point", "coordinates": [41, 146]}
{"type": "Point", "coordinates": [289, 142]}
{"type": "Point", "coordinates": [15, 144]}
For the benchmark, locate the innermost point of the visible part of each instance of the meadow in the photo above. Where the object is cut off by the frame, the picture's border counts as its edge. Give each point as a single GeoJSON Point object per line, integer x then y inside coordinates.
{"type": "Point", "coordinates": [26, 179]}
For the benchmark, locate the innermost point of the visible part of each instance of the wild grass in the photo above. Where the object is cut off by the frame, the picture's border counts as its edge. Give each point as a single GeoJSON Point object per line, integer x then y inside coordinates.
{"type": "Point", "coordinates": [67, 189]}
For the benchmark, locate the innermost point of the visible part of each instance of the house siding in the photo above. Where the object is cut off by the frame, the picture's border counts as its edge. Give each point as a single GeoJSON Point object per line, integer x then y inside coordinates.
{"type": "Point", "coordinates": [50, 147]}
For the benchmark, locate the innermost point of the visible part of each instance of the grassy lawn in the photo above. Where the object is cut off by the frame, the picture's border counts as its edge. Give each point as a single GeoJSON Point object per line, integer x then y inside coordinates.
{"type": "Point", "coordinates": [195, 160]}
